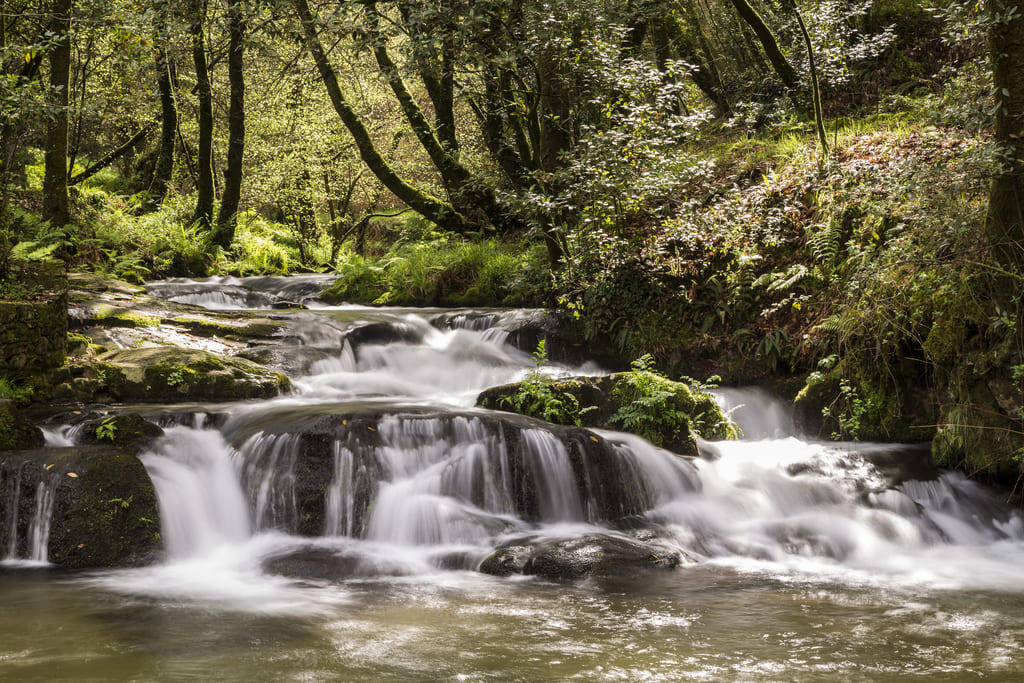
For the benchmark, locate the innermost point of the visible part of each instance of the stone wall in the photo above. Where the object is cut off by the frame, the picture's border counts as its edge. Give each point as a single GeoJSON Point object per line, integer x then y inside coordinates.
{"type": "Point", "coordinates": [33, 334]}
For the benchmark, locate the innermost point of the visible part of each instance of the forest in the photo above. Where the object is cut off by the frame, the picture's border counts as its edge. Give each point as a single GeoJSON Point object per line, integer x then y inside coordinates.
{"type": "Point", "coordinates": [824, 197]}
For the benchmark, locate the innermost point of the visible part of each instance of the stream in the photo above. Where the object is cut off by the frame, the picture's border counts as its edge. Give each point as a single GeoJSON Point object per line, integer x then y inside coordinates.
{"type": "Point", "coordinates": [338, 532]}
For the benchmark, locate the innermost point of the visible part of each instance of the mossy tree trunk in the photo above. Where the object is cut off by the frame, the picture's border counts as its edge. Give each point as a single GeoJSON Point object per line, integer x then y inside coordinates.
{"type": "Point", "coordinates": [205, 189]}
{"type": "Point", "coordinates": [224, 234]}
{"type": "Point", "coordinates": [168, 130]}
{"type": "Point", "coordinates": [1005, 222]}
{"type": "Point", "coordinates": [785, 71]}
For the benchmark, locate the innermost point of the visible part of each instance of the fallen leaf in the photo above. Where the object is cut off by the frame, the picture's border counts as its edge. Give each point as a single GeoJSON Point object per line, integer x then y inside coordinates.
{"type": "Point", "coordinates": [72, 475]}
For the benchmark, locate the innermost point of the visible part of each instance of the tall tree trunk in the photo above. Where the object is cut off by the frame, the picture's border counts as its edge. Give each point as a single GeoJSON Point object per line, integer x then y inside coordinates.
{"type": "Point", "coordinates": [224, 234]}
{"type": "Point", "coordinates": [168, 129]}
{"type": "Point", "coordinates": [204, 154]}
{"type": "Point", "coordinates": [785, 71]}
{"type": "Point", "coordinates": [431, 208]}
{"type": "Point", "coordinates": [1004, 225]}
{"type": "Point", "coordinates": [55, 178]}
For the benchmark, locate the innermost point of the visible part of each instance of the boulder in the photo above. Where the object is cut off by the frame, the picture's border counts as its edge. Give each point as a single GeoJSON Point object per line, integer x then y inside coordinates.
{"type": "Point", "coordinates": [594, 554]}
{"type": "Point", "coordinates": [666, 413]}
{"type": "Point", "coordinates": [103, 506]}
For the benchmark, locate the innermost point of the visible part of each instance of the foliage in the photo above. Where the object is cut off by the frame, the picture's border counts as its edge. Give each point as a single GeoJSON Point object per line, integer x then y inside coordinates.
{"type": "Point", "coordinates": [653, 406]}
{"type": "Point", "coordinates": [535, 396]}
{"type": "Point", "coordinates": [443, 270]}
{"type": "Point", "coordinates": [107, 430]}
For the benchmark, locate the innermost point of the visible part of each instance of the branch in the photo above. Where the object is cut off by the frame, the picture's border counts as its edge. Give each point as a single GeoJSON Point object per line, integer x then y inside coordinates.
{"type": "Point", "coordinates": [112, 155]}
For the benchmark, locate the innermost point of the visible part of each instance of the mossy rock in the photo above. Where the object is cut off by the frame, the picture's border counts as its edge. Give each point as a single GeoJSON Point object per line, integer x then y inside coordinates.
{"type": "Point", "coordinates": [16, 432]}
{"type": "Point", "coordinates": [832, 406]}
{"type": "Point", "coordinates": [173, 374]}
{"type": "Point", "coordinates": [78, 344]}
{"type": "Point", "coordinates": [105, 511]}
{"type": "Point", "coordinates": [666, 413]}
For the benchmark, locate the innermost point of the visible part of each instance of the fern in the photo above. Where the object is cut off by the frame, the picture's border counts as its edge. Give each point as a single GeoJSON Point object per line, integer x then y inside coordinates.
{"type": "Point", "coordinates": [825, 242]}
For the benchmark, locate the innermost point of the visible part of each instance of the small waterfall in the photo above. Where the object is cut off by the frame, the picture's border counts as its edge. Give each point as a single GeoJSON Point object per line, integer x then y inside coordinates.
{"type": "Point", "coordinates": [339, 516]}
{"type": "Point", "coordinates": [268, 474]}
{"type": "Point", "coordinates": [39, 528]}
{"type": "Point", "coordinates": [757, 413]}
{"type": "Point", "coordinates": [440, 484]}
{"type": "Point", "coordinates": [557, 492]}
{"type": "Point", "coordinates": [35, 549]}
{"type": "Point", "coordinates": [202, 506]}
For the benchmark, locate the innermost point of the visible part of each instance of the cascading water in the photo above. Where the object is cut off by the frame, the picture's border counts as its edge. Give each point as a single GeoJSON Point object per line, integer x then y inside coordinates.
{"type": "Point", "coordinates": [361, 506]}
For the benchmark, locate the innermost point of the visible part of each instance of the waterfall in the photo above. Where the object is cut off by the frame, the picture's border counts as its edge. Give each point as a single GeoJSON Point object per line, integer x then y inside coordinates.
{"type": "Point", "coordinates": [378, 447]}
{"type": "Point", "coordinates": [39, 520]}
{"type": "Point", "coordinates": [202, 505]}
{"type": "Point", "coordinates": [340, 512]}
{"type": "Point", "coordinates": [39, 529]}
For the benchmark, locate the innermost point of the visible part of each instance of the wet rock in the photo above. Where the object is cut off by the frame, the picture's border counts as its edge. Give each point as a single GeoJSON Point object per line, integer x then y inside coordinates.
{"type": "Point", "coordinates": [510, 463]}
{"type": "Point", "coordinates": [16, 431]}
{"type": "Point", "coordinates": [104, 507]}
{"type": "Point", "coordinates": [563, 341]}
{"type": "Point", "coordinates": [335, 565]}
{"type": "Point", "coordinates": [593, 554]}
{"type": "Point", "coordinates": [383, 333]}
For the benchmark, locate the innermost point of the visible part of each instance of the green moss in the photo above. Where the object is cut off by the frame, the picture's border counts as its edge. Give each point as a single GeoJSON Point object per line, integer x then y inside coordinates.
{"type": "Point", "coordinates": [78, 344]}
{"type": "Point", "coordinates": [17, 433]}
{"type": "Point", "coordinates": [120, 317]}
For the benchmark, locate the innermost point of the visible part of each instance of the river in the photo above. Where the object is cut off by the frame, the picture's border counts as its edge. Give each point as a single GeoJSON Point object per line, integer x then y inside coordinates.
{"type": "Point", "coordinates": [796, 560]}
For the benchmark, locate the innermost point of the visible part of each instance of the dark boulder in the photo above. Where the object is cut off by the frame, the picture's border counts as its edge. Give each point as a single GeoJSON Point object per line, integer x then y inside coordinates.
{"type": "Point", "coordinates": [595, 554]}
{"type": "Point", "coordinates": [103, 506]}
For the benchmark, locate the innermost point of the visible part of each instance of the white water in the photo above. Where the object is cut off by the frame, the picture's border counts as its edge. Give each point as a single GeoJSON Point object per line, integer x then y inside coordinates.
{"type": "Point", "coordinates": [772, 504]}
{"type": "Point", "coordinates": [803, 564]}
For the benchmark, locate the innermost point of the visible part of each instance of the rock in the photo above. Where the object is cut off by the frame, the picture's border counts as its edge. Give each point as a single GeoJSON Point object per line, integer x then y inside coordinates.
{"type": "Point", "coordinates": [595, 554]}
{"type": "Point", "coordinates": [104, 510]}
{"type": "Point", "coordinates": [161, 374]}
{"type": "Point", "coordinates": [17, 432]}
{"type": "Point", "coordinates": [126, 431]}
{"type": "Point", "coordinates": [328, 564]}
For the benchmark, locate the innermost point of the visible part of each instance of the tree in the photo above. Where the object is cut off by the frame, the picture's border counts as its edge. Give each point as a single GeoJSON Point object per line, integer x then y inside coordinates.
{"type": "Point", "coordinates": [1005, 221]}
{"type": "Point", "coordinates": [224, 233]}
{"type": "Point", "coordinates": [55, 179]}
{"type": "Point", "coordinates": [440, 212]}
{"type": "Point", "coordinates": [205, 189]}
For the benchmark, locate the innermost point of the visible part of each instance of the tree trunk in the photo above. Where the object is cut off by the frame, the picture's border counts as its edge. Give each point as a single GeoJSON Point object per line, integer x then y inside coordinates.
{"type": "Point", "coordinates": [782, 67]}
{"type": "Point", "coordinates": [429, 207]}
{"type": "Point", "coordinates": [1004, 225]}
{"type": "Point", "coordinates": [224, 235]}
{"type": "Point", "coordinates": [168, 129]}
{"type": "Point", "coordinates": [204, 154]}
{"type": "Point", "coordinates": [55, 179]}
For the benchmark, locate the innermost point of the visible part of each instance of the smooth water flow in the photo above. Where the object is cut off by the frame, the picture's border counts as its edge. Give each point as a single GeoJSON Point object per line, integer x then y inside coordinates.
{"type": "Point", "coordinates": [337, 534]}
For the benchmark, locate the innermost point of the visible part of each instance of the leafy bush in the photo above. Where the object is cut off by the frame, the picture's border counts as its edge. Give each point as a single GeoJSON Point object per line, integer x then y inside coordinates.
{"type": "Point", "coordinates": [535, 396]}
{"type": "Point", "coordinates": [662, 411]}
